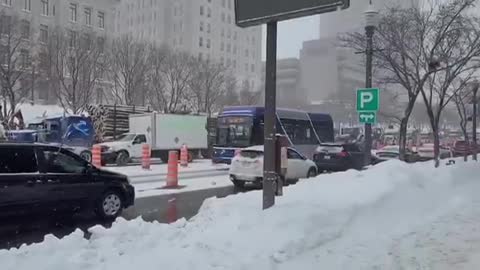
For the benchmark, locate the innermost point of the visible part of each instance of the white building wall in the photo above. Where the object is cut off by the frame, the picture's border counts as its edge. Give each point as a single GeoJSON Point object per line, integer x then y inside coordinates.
{"type": "Point", "coordinates": [203, 28]}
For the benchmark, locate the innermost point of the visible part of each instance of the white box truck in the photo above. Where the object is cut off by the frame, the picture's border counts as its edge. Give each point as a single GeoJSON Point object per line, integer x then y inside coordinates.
{"type": "Point", "coordinates": [163, 132]}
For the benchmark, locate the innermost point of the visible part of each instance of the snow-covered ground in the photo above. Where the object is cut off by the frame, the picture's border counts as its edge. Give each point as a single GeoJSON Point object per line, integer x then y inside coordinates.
{"type": "Point", "coordinates": [392, 216]}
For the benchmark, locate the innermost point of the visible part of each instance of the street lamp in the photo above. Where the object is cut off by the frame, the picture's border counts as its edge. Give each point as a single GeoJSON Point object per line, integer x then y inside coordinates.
{"type": "Point", "coordinates": [371, 21]}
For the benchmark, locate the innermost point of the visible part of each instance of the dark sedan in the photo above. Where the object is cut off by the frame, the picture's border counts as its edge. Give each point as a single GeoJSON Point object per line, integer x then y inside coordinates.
{"type": "Point", "coordinates": [338, 157]}
{"type": "Point", "coordinates": [42, 179]}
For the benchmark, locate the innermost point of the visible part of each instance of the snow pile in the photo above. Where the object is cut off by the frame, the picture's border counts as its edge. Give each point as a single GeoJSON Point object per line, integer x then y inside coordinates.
{"type": "Point", "coordinates": [35, 112]}
{"type": "Point", "coordinates": [351, 220]}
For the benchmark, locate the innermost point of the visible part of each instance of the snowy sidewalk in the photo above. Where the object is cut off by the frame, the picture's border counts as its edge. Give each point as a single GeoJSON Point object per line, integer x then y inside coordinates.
{"type": "Point", "coordinates": [392, 216]}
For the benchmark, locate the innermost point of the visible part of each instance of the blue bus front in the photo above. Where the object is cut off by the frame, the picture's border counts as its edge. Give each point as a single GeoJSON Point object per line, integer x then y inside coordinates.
{"type": "Point", "coordinates": [237, 128]}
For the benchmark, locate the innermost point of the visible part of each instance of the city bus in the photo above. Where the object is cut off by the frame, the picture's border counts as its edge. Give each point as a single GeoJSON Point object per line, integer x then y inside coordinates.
{"type": "Point", "coordinates": [239, 127]}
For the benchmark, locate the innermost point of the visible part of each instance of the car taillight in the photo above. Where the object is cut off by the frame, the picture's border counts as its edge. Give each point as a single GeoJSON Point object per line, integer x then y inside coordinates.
{"type": "Point", "coordinates": [343, 154]}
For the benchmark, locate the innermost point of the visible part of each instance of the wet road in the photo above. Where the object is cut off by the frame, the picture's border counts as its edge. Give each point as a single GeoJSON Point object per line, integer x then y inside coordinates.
{"type": "Point", "coordinates": [166, 208]}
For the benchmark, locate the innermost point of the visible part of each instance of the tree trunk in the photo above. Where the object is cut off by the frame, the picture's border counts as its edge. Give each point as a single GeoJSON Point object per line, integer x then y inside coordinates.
{"type": "Point", "coordinates": [436, 145]}
{"type": "Point", "coordinates": [402, 141]}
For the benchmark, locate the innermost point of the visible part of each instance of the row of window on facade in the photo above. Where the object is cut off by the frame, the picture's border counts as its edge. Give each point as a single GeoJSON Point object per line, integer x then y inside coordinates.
{"type": "Point", "coordinates": [228, 47]}
{"type": "Point", "coordinates": [87, 15]}
{"type": "Point", "coordinates": [228, 62]}
{"type": "Point", "coordinates": [27, 6]}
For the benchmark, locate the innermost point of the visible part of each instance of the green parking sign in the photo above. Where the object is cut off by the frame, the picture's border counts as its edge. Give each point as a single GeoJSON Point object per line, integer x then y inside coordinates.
{"type": "Point", "coordinates": [368, 99]}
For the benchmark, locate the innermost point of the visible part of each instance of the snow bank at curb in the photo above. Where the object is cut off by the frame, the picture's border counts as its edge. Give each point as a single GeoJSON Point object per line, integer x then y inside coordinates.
{"type": "Point", "coordinates": [233, 233]}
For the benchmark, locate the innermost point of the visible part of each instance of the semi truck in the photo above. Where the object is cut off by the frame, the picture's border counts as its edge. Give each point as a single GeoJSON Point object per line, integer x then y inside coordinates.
{"type": "Point", "coordinates": [163, 132]}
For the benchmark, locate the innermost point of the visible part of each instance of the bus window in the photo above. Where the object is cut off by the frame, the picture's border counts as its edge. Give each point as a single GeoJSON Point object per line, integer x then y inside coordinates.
{"type": "Point", "coordinates": [234, 132]}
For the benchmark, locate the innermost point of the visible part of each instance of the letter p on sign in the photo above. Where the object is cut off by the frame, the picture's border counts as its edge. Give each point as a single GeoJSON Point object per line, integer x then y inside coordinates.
{"type": "Point", "coordinates": [368, 99]}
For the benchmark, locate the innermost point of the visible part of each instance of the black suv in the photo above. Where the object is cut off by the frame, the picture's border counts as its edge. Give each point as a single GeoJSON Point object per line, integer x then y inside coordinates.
{"type": "Point", "coordinates": [40, 179]}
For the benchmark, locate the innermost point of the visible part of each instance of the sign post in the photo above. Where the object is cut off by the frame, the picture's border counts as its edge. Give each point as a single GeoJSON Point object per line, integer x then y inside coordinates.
{"type": "Point", "coordinates": [254, 12]}
{"type": "Point", "coordinates": [368, 103]}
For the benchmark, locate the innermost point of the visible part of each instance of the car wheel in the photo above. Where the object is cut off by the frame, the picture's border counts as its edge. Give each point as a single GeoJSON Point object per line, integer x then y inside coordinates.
{"type": "Point", "coordinates": [122, 158]}
{"type": "Point", "coordinates": [238, 184]}
{"type": "Point", "coordinates": [110, 205]}
{"type": "Point", "coordinates": [312, 173]}
{"type": "Point", "coordinates": [86, 155]}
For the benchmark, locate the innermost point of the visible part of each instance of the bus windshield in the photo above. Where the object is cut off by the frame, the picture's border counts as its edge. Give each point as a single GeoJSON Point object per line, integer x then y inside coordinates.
{"type": "Point", "coordinates": [234, 131]}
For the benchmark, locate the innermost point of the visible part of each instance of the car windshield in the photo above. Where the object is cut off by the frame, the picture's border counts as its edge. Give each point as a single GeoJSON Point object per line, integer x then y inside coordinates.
{"type": "Point", "coordinates": [234, 132]}
{"type": "Point", "coordinates": [126, 137]}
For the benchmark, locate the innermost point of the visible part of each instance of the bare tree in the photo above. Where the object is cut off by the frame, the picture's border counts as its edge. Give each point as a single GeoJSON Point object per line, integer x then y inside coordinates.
{"type": "Point", "coordinates": [248, 96]}
{"type": "Point", "coordinates": [155, 83]}
{"type": "Point", "coordinates": [230, 95]}
{"type": "Point", "coordinates": [176, 73]}
{"type": "Point", "coordinates": [461, 99]}
{"type": "Point", "coordinates": [407, 41]}
{"type": "Point", "coordinates": [207, 85]}
{"type": "Point", "coordinates": [16, 45]}
{"type": "Point", "coordinates": [453, 68]}
{"type": "Point", "coordinates": [129, 66]}
{"type": "Point", "coordinates": [78, 64]}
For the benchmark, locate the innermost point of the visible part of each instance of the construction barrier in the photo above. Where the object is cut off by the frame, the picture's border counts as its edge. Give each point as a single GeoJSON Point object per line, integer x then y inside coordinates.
{"type": "Point", "coordinates": [97, 155]}
{"type": "Point", "coordinates": [146, 157]}
{"type": "Point", "coordinates": [184, 156]}
{"type": "Point", "coordinates": [172, 174]}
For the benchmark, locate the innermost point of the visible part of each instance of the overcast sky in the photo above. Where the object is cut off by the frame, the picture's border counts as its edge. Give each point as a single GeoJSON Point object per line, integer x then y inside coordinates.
{"type": "Point", "coordinates": [291, 35]}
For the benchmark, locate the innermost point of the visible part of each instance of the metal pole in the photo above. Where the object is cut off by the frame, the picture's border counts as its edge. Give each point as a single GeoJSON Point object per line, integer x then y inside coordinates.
{"type": "Point", "coordinates": [269, 167]}
{"type": "Point", "coordinates": [474, 120]}
{"type": "Point", "coordinates": [368, 84]}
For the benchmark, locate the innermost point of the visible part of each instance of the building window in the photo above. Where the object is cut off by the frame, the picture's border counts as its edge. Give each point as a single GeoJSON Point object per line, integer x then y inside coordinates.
{"type": "Point", "coordinates": [208, 43]}
{"type": "Point", "coordinates": [229, 33]}
{"type": "Point", "coordinates": [223, 17]}
{"type": "Point", "coordinates": [209, 28]}
{"type": "Point", "coordinates": [235, 63]}
{"type": "Point", "coordinates": [229, 47]}
{"type": "Point", "coordinates": [25, 29]}
{"type": "Point", "coordinates": [100, 43]}
{"type": "Point", "coordinates": [101, 20]}
{"type": "Point", "coordinates": [5, 24]}
{"type": "Point", "coordinates": [99, 95]}
{"type": "Point", "coordinates": [252, 67]}
{"type": "Point", "coordinates": [222, 60]}
{"type": "Point", "coordinates": [27, 5]}
{"type": "Point", "coordinates": [222, 46]}
{"type": "Point", "coordinates": [73, 12]}
{"type": "Point", "coordinates": [223, 33]}
{"type": "Point", "coordinates": [24, 58]}
{"type": "Point", "coordinates": [3, 55]}
{"type": "Point", "coordinates": [200, 42]}
{"type": "Point", "coordinates": [229, 19]}
{"type": "Point", "coordinates": [200, 56]}
{"type": "Point", "coordinates": [7, 2]}
{"type": "Point", "coordinates": [229, 62]}
{"type": "Point", "coordinates": [209, 13]}
{"type": "Point", "coordinates": [223, 3]}
{"type": "Point", "coordinates": [201, 26]}
{"type": "Point", "coordinates": [45, 7]}
{"type": "Point", "coordinates": [72, 38]}
{"type": "Point", "coordinates": [246, 67]}
{"type": "Point", "coordinates": [88, 16]}
{"type": "Point", "coordinates": [201, 11]}
{"type": "Point", "coordinates": [43, 33]}
{"type": "Point", "coordinates": [235, 35]}
{"type": "Point", "coordinates": [234, 49]}
{"type": "Point", "coordinates": [229, 4]}
{"type": "Point", "coordinates": [246, 53]}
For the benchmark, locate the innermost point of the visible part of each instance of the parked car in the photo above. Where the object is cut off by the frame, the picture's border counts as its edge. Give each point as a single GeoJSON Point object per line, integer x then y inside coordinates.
{"type": "Point", "coordinates": [393, 152]}
{"type": "Point", "coordinates": [426, 152]}
{"type": "Point", "coordinates": [247, 166]}
{"type": "Point", "coordinates": [42, 179]}
{"type": "Point", "coordinates": [339, 157]}
{"type": "Point", "coordinates": [461, 148]}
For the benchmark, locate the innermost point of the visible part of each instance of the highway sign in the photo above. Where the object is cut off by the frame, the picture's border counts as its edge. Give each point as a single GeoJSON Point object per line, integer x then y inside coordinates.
{"type": "Point", "coordinates": [367, 117]}
{"type": "Point", "coordinates": [255, 12]}
{"type": "Point", "coordinates": [368, 99]}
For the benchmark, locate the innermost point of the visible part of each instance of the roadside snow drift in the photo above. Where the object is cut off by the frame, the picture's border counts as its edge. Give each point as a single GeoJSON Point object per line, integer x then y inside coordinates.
{"type": "Point", "coordinates": [392, 216]}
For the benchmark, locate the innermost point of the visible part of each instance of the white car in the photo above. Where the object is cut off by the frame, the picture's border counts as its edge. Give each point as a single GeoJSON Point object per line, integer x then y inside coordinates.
{"type": "Point", "coordinates": [247, 166]}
